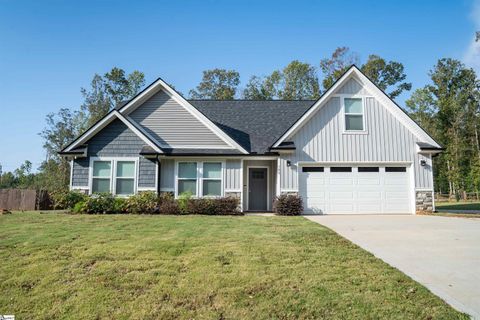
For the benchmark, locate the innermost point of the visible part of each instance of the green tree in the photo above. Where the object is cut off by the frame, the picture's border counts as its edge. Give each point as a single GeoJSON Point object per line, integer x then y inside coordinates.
{"type": "Point", "coordinates": [24, 176]}
{"type": "Point", "coordinates": [61, 129]}
{"type": "Point", "coordinates": [422, 108]}
{"type": "Point", "coordinates": [336, 65]}
{"type": "Point", "coordinates": [297, 81]}
{"type": "Point", "coordinates": [217, 84]}
{"type": "Point", "coordinates": [449, 109]}
{"type": "Point", "coordinates": [109, 91]}
{"type": "Point", "coordinates": [387, 75]}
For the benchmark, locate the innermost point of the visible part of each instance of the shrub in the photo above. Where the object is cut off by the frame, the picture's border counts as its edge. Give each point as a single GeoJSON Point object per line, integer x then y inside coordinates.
{"type": "Point", "coordinates": [183, 201]}
{"type": "Point", "coordinates": [167, 204]}
{"type": "Point", "coordinates": [288, 205]}
{"type": "Point", "coordinates": [100, 203]}
{"type": "Point", "coordinates": [144, 202]}
{"type": "Point", "coordinates": [216, 206]}
{"type": "Point", "coordinates": [67, 199]}
{"type": "Point", "coordinates": [78, 207]}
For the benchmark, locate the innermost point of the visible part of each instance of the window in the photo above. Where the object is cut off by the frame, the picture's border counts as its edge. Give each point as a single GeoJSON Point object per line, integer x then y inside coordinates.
{"type": "Point", "coordinates": [116, 176]}
{"type": "Point", "coordinates": [395, 169]}
{"type": "Point", "coordinates": [102, 172]}
{"type": "Point", "coordinates": [125, 178]}
{"type": "Point", "coordinates": [200, 178]}
{"type": "Point", "coordinates": [340, 169]}
{"type": "Point", "coordinates": [187, 177]}
{"type": "Point", "coordinates": [212, 179]}
{"type": "Point", "coordinates": [353, 114]}
{"type": "Point", "coordinates": [368, 169]}
{"type": "Point", "coordinates": [312, 169]}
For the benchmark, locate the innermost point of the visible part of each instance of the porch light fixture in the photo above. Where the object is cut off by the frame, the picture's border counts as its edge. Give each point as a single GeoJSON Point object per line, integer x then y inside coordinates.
{"type": "Point", "coordinates": [289, 163]}
{"type": "Point", "coordinates": [423, 163]}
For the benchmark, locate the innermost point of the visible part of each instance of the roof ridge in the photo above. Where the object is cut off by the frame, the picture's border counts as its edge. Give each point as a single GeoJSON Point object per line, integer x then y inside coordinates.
{"type": "Point", "coordinates": [254, 100]}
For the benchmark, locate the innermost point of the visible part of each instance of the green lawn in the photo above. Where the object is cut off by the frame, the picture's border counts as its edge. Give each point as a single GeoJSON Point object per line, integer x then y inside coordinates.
{"type": "Point", "coordinates": [168, 267]}
{"type": "Point", "coordinates": [458, 205]}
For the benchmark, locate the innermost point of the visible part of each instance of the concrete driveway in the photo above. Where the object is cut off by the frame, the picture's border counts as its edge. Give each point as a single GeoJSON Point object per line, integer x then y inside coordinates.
{"type": "Point", "coordinates": [441, 253]}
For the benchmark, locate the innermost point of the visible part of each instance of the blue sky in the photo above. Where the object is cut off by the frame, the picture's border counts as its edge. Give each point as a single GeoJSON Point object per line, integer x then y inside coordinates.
{"type": "Point", "coordinates": [50, 49]}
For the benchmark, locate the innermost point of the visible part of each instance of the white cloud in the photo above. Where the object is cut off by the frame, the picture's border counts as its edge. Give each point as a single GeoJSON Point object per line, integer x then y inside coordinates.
{"type": "Point", "coordinates": [471, 56]}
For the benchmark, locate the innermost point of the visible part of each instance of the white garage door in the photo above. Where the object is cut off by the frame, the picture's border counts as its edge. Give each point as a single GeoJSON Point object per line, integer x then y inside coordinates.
{"type": "Point", "coordinates": [355, 189]}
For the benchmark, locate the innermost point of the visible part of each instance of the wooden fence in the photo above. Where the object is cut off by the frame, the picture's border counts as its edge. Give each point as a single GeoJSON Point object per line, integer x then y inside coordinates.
{"type": "Point", "coordinates": [23, 199]}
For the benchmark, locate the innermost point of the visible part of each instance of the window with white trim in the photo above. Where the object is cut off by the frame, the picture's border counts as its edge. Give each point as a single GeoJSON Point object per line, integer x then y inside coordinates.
{"type": "Point", "coordinates": [101, 176]}
{"type": "Point", "coordinates": [125, 178]}
{"type": "Point", "coordinates": [354, 115]}
{"type": "Point", "coordinates": [201, 179]}
{"type": "Point", "coordinates": [187, 178]}
{"type": "Point", "coordinates": [212, 179]}
{"type": "Point", "coordinates": [115, 176]}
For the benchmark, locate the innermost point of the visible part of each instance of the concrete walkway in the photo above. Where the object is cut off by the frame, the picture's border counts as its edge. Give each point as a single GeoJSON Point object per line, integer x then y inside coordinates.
{"type": "Point", "coordinates": [442, 253]}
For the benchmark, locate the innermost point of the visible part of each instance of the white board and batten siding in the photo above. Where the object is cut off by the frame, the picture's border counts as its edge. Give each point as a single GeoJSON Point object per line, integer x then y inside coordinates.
{"type": "Point", "coordinates": [174, 126]}
{"type": "Point", "coordinates": [386, 141]}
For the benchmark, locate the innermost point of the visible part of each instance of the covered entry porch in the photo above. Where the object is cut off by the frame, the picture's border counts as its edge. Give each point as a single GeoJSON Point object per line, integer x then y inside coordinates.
{"type": "Point", "coordinates": [259, 185]}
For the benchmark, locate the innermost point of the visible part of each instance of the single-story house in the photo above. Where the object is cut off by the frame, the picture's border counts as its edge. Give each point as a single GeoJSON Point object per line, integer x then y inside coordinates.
{"type": "Point", "coordinates": [352, 151]}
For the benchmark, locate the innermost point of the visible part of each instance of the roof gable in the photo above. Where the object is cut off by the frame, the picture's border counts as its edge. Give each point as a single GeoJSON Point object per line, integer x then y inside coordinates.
{"type": "Point", "coordinates": [173, 126]}
{"type": "Point", "coordinates": [354, 74]}
{"type": "Point", "coordinates": [160, 86]}
{"type": "Point", "coordinates": [105, 121]}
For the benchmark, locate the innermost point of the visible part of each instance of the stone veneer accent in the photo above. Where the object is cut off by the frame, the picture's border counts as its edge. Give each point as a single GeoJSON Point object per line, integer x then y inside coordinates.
{"type": "Point", "coordinates": [233, 194]}
{"type": "Point", "coordinates": [424, 201]}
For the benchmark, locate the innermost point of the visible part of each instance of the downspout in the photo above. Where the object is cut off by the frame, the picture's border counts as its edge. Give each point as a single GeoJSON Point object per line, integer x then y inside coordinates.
{"type": "Point", "coordinates": [159, 166]}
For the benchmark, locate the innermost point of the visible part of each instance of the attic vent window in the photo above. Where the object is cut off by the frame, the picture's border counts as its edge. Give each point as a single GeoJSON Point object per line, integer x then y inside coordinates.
{"type": "Point", "coordinates": [354, 119]}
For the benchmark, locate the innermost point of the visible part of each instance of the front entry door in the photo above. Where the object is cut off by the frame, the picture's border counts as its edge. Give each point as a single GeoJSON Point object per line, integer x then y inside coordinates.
{"type": "Point", "coordinates": [257, 189]}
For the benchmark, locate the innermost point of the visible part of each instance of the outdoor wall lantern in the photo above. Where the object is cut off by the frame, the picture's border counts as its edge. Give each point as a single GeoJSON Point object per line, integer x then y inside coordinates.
{"type": "Point", "coordinates": [289, 163]}
{"type": "Point", "coordinates": [423, 163]}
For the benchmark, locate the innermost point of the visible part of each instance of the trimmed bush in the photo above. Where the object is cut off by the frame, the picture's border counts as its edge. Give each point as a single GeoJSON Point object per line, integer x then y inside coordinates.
{"type": "Point", "coordinates": [288, 205]}
{"type": "Point", "coordinates": [67, 199]}
{"type": "Point", "coordinates": [215, 206]}
{"type": "Point", "coordinates": [150, 203]}
{"type": "Point", "coordinates": [101, 203]}
{"type": "Point", "coordinates": [167, 204]}
{"type": "Point", "coordinates": [142, 203]}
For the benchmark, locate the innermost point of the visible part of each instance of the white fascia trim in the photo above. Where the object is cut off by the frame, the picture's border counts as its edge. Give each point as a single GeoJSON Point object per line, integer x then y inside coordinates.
{"type": "Point", "coordinates": [137, 131]}
{"type": "Point", "coordinates": [375, 92]}
{"type": "Point", "coordinates": [354, 162]}
{"type": "Point", "coordinates": [160, 84]}
{"type": "Point", "coordinates": [103, 123]}
{"type": "Point", "coordinates": [92, 131]}
{"type": "Point", "coordinates": [395, 109]}
{"type": "Point", "coordinates": [313, 109]}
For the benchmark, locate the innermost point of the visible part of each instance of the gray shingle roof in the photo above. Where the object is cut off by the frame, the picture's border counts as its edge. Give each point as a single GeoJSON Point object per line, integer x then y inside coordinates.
{"type": "Point", "coordinates": [255, 125]}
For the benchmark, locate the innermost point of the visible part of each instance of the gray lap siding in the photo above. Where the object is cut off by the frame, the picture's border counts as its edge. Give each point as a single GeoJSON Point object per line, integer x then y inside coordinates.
{"type": "Point", "coordinates": [115, 140]}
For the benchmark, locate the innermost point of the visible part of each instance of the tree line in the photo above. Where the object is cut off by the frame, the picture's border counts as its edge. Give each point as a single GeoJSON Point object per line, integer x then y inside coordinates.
{"type": "Point", "coordinates": [447, 107]}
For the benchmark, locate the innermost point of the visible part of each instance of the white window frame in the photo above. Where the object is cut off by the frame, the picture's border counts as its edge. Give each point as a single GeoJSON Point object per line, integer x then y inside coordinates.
{"type": "Point", "coordinates": [113, 173]}
{"type": "Point", "coordinates": [345, 114]}
{"type": "Point", "coordinates": [199, 179]}
{"type": "Point", "coordinates": [177, 178]}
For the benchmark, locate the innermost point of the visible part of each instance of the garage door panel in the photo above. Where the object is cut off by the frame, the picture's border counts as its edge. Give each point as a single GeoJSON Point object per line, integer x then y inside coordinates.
{"type": "Point", "coordinates": [369, 208]}
{"type": "Point", "coordinates": [341, 181]}
{"type": "Point", "coordinates": [341, 195]}
{"type": "Point", "coordinates": [356, 192]}
{"type": "Point", "coordinates": [364, 196]}
{"type": "Point", "coordinates": [368, 181]}
{"type": "Point", "coordinates": [346, 208]}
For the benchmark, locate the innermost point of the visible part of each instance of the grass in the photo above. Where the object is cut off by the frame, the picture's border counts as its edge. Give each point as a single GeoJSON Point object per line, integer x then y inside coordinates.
{"type": "Point", "coordinates": [169, 267]}
{"type": "Point", "coordinates": [458, 205]}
